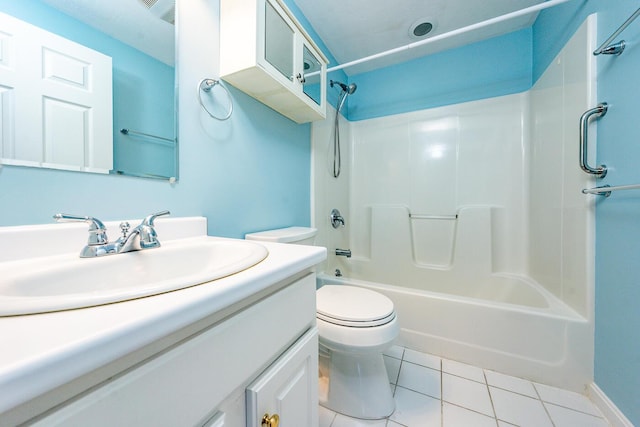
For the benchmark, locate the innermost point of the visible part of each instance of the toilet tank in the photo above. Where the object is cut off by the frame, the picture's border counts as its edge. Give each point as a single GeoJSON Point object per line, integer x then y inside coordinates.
{"type": "Point", "coordinates": [297, 235]}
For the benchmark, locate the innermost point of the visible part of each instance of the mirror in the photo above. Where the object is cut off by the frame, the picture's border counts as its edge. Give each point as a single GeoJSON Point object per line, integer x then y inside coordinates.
{"type": "Point", "coordinates": [278, 42]}
{"type": "Point", "coordinates": [312, 79]}
{"type": "Point", "coordinates": [138, 36]}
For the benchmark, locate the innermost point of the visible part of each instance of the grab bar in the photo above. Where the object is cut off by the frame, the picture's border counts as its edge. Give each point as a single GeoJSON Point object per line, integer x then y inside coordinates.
{"type": "Point", "coordinates": [599, 171]}
{"type": "Point", "coordinates": [616, 49]}
{"type": "Point", "coordinates": [606, 190]}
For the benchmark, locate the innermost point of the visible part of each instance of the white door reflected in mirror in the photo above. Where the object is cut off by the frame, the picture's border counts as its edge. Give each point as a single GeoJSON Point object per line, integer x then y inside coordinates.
{"type": "Point", "coordinates": [56, 101]}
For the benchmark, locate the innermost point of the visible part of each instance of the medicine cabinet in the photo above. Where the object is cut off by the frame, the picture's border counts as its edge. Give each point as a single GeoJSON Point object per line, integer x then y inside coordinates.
{"type": "Point", "coordinates": [267, 54]}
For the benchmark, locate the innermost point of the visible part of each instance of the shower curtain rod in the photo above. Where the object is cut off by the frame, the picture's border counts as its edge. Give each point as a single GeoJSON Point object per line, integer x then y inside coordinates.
{"type": "Point", "coordinates": [448, 34]}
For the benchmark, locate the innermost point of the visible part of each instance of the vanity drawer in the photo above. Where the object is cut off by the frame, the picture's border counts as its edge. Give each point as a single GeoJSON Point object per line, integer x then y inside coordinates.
{"type": "Point", "coordinates": [186, 383]}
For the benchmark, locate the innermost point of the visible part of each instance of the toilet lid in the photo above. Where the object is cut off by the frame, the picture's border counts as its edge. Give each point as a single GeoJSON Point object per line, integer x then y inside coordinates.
{"type": "Point", "coordinates": [353, 306]}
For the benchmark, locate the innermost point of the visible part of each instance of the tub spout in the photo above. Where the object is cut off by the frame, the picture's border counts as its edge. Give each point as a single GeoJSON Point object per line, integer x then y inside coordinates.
{"type": "Point", "coordinates": [343, 252]}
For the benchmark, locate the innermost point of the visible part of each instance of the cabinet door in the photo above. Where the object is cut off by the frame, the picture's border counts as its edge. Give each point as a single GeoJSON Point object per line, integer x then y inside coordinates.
{"type": "Point", "coordinates": [313, 74]}
{"type": "Point", "coordinates": [279, 39]}
{"type": "Point", "coordinates": [215, 421]}
{"type": "Point", "coordinates": [288, 388]}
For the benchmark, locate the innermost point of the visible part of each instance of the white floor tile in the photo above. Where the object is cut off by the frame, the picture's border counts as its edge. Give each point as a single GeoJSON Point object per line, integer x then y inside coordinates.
{"type": "Point", "coordinates": [325, 416]}
{"type": "Point", "coordinates": [437, 392]}
{"type": "Point", "coordinates": [344, 421]}
{"type": "Point", "coordinates": [518, 409]}
{"type": "Point", "coordinates": [463, 370]}
{"type": "Point", "coordinates": [394, 351]}
{"type": "Point", "coordinates": [419, 378]}
{"type": "Point", "coordinates": [416, 410]}
{"type": "Point", "coordinates": [466, 393]}
{"type": "Point", "coordinates": [428, 360]}
{"type": "Point", "coordinates": [393, 368]}
{"type": "Point", "coordinates": [455, 416]}
{"type": "Point", "coordinates": [564, 417]}
{"type": "Point", "coordinates": [568, 399]}
{"type": "Point", "coordinates": [514, 384]}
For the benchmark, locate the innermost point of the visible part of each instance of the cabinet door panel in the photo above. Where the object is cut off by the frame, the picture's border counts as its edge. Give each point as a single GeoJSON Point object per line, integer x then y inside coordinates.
{"type": "Point", "coordinates": [312, 68]}
{"type": "Point", "coordinates": [289, 387]}
{"type": "Point", "coordinates": [278, 42]}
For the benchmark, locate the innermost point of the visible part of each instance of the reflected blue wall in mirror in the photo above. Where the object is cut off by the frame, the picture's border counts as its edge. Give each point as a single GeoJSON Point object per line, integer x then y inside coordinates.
{"type": "Point", "coordinates": [143, 91]}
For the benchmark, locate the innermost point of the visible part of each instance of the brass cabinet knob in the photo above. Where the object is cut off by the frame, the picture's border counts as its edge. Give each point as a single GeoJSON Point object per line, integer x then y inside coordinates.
{"type": "Point", "coordinates": [270, 420]}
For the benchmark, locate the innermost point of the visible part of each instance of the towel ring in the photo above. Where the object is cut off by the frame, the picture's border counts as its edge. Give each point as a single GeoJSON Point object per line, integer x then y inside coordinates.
{"type": "Point", "coordinates": [207, 85]}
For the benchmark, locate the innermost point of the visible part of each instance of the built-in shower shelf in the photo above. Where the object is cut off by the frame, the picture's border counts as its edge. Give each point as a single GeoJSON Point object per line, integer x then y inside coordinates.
{"type": "Point", "coordinates": [441, 217]}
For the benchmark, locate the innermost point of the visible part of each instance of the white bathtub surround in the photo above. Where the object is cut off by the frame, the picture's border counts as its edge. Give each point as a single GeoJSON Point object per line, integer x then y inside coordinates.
{"type": "Point", "coordinates": [328, 192]}
{"type": "Point", "coordinates": [470, 217]}
{"type": "Point", "coordinates": [430, 391]}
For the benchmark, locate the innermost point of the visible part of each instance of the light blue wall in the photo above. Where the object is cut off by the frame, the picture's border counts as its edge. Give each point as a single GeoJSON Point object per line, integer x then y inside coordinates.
{"type": "Point", "coordinates": [251, 173]}
{"type": "Point", "coordinates": [495, 67]}
{"type": "Point", "coordinates": [617, 339]}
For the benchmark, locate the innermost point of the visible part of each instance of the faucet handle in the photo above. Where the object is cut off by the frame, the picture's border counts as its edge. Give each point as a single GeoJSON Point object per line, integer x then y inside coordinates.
{"type": "Point", "coordinates": [336, 218]}
{"type": "Point", "coordinates": [97, 230]}
{"type": "Point", "coordinates": [149, 219]}
{"type": "Point", "coordinates": [148, 235]}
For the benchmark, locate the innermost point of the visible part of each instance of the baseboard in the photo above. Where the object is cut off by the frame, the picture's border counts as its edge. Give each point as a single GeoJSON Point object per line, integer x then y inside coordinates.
{"type": "Point", "coordinates": [607, 407]}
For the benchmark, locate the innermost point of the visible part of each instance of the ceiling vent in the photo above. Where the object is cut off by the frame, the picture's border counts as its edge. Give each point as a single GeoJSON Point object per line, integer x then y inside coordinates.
{"type": "Point", "coordinates": [421, 28]}
{"type": "Point", "coordinates": [163, 9]}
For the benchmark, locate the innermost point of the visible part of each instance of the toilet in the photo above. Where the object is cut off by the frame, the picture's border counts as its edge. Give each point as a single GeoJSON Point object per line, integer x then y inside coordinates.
{"type": "Point", "coordinates": [355, 325]}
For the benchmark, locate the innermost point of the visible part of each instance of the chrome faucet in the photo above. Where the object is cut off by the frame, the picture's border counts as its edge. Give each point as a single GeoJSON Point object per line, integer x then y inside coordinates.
{"type": "Point", "coordinates": [336, 219]}
{"type": "Point", "coordinates": [141, 237]}
{"type": "Point", "coordinates": [343, 252]}
{"type": "Point", "coordinates": [144, 236]}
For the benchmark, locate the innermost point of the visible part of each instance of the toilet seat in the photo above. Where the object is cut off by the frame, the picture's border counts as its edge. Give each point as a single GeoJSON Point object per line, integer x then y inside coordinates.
{"type": "Point", "coordinates": [353, 307]}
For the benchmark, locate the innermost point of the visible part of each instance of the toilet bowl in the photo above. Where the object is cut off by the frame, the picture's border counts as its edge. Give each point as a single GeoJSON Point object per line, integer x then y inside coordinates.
{"type": "Point", "coordinates": [355, 325]}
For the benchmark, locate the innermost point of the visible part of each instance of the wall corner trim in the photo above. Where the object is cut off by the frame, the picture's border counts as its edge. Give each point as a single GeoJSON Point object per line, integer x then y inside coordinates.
{"type": "Point", "coordinates": [607, 407]}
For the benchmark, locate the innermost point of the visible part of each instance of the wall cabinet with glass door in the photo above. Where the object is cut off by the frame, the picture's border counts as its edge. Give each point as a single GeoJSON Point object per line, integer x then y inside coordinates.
{"type": "Point", "coordinates": [267, 54]}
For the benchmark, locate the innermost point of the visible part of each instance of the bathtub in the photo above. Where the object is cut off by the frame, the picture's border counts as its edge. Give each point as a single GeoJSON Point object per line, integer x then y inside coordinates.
{"type": "Point", "coordinates": [511, 325]}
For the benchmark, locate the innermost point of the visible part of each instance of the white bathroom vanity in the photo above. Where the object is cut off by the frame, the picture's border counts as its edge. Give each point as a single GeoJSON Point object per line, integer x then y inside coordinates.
{"type": "Point", "coordinates": [229, 352]}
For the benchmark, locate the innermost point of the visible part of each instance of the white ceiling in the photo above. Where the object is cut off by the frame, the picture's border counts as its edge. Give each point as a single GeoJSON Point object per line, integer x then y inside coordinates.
{"type": "Point", "coordinates": [126, 20]}
{"type": "Point", "coordinates": [353, 29]}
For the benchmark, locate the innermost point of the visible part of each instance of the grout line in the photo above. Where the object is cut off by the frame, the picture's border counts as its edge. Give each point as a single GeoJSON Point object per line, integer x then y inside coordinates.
{"type": "Point", "coordinates": [493, 408]}
{"type": "Point", "coordinates": [543, 405]}
{"type": "Point", "coordinates": [544, 402]}
{"type": "Point", "coordinates": [567, 407]}
{"type": "Point", "coordinates": [441, 396]}
{"type": "Point", "coordinates": [473, 410]}
{"type": "Point", "coordinates": [333, 420]}
{"type": "Point", "coordinates": [420, 393]}
{"type": "Point", "coordinates": [465, 378]}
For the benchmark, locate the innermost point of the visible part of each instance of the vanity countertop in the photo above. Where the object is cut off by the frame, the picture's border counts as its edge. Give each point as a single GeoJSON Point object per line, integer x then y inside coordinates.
{"type": "Point", "coordinates": [41, 352]}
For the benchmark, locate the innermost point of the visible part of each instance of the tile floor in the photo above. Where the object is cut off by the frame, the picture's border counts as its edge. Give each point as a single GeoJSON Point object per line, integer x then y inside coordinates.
{"type": "Point", "coordinates": [430, 391]}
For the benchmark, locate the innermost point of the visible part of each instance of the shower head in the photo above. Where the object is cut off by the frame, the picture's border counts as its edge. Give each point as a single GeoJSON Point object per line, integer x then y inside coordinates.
{"type": "Point", "coordinates": [348, 89]}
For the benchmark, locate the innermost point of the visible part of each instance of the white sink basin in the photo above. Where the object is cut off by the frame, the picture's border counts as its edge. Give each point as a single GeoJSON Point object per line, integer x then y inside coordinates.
{"type": "Point", "coordinates": [66, 282]}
